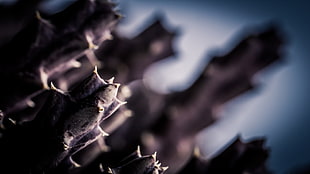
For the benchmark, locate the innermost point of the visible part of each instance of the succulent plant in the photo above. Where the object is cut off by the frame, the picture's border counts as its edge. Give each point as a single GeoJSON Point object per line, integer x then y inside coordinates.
{"type": "Point", "coordinates": [57, 115]}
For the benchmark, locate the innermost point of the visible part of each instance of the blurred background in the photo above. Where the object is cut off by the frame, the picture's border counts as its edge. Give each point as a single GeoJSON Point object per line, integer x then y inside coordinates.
{"type": "Point", "coordinates": [278, 109]}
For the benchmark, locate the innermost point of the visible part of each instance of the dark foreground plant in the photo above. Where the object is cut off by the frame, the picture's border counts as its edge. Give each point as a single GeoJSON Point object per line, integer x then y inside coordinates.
{"type": "Point", "coordinates": [82, 124]}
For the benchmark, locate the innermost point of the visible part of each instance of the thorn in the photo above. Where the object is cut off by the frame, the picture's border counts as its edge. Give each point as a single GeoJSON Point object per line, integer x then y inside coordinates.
{"type": "Point", "coordinates": [103, 132]}
{"type": "Point", "coordinates": [91, 45]}
{"type": "Point", "coordinates": [38, 15]}
{"type": "Point", "coordinates": [44, 21]}
{"type": "Point", "coordinates": [96, 70]}
{"type": "Point", "coordinates": [164, 168]}
{"type": "Point", "coordinates": [101, 167]}
{"type": "Point", "coordinates": [139, 151]}
{"type": "Point", "coordinates": [13, 121]}
{"type": "Point", "coordinates": [110, 80]}
{"type": "Point", "coordinates": [75, 164]}
{"type": "Point", "coordinates": [76, 64]}
{"type": "Point", "coordinates": [119, 16]}
{"type": "Point", "coordinates": [197, 152]}
{"type": "Point", "coordinates": [30, 103]}
{"type": "Point", "coordinates": [157, 163]}
{"type": "Point", "coordinates": [110, 170]}
{"type": "Point", "coordinates": [65, 146]}
{"type": "Point", "coordinates": [121, 102]}
{"type": "Point", "coordinates": [1, 120]}
{"type": "Point", "coordinates": [154, 155]}
{"type": "Point", "coordinates": [107, 35]}
{"type": "Point", "coordinates": [44, 78]}
{"type": "Point", "coordinates": [53, 87]}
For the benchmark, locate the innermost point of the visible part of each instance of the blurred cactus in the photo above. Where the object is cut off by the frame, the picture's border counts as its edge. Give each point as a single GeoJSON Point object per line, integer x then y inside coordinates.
{"type": "Point", "coordinates": [238, 157]}
{"type": "Point", "coordinates": [82, 124]}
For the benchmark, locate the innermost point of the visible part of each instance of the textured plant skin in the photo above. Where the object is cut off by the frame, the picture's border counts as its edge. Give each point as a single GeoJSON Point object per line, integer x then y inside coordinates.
{"type": "Point", "coordinates": [66, 123]}
{"type": "Point", "coordinates": [57, 115]}
{"type": "Point", "coordinates": [39, 58]}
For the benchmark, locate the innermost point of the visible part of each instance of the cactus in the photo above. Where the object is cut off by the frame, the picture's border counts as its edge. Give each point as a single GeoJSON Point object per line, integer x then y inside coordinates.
{"type": "Point", "coordinates": [58, 115]}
